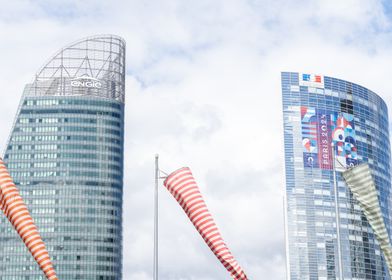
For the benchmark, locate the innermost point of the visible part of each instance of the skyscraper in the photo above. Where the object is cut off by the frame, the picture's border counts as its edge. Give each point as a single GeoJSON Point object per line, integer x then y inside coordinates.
{"type": "Point", "coordinates": [65, 153]}
{"type": "Point", "coordinates": [331, 125]}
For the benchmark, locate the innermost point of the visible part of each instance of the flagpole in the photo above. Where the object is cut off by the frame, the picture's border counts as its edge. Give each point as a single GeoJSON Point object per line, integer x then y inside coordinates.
{"type": "Point", "coordinates": [156, 218]}
{"type": "Point", "coordinates": [337, 213]}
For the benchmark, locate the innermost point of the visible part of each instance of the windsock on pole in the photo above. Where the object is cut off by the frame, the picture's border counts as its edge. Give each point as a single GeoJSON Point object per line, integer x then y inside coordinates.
{"type": "Point", "coordinates": [183, 187]}
{"type": "Point", "coordinates": [17, 213]}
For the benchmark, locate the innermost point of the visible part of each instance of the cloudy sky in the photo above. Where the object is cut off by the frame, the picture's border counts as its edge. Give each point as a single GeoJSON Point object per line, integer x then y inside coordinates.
{"type": "Point", "coordinates": [203, 90]}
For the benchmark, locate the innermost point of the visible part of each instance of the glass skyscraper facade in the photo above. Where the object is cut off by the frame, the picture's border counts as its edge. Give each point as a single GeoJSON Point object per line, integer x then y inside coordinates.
{"type": "Point", "coordinates": [331, 124]}
{"type": "Point", "coordinates": [65, 154]}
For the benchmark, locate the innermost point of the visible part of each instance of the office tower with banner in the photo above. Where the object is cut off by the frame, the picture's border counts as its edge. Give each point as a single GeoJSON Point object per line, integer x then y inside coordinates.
{"type": "Point", "coordinates": [331, 125]}
{"type": "Point", "coordinates": [65, 154]}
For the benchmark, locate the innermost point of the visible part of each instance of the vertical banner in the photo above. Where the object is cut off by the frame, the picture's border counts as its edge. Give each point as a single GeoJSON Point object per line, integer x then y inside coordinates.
{"type": "Point", "coordinates": [343, 135]}
{"type": "Point", "coordinates": [309, 137]}
{"type": "Point", "coordinates": [316, 138]}
{"type": "Point", "coordinates": [324, 140]}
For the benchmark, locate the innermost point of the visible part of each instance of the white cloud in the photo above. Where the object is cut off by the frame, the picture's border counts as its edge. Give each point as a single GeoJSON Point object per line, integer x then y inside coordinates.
{"type": "Point", "coordinates": [203, 89]}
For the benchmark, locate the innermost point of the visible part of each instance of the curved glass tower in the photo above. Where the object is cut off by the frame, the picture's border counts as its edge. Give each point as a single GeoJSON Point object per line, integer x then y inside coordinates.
{"type": "Point", "coordinates": [65, 153]}
{"type": "Point", "coordinates": [329, 126]}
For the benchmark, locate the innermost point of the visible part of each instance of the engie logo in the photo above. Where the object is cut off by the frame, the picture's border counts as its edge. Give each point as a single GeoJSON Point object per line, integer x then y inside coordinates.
{"type": "Point", "coordinates": [86, 81]}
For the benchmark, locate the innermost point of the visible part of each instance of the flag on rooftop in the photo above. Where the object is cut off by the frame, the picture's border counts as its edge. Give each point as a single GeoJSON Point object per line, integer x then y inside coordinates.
{"type": "Point", "coordinates": [183, 187]}
{"type": "Point", "coordinates": [17, 213]}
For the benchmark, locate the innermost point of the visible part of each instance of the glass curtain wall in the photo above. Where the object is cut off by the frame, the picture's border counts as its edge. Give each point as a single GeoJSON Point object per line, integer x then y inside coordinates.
{"type": "Point", "coordinates": [325, 239]}
{"type": "Point", "coordinates": [65, 153]}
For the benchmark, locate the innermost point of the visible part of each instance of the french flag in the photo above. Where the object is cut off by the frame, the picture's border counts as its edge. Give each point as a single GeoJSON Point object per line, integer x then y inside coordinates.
{"type": "Point", "coordinates": [311, 78]}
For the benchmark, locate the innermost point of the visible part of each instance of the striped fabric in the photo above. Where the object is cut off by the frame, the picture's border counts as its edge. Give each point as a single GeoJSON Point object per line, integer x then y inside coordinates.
{"type": "Point", "coordinates": [359, 180]}
{"type": "Point", "coordinates": [183, 187]}
{"type": "Point", "coordinates": [17, 213]}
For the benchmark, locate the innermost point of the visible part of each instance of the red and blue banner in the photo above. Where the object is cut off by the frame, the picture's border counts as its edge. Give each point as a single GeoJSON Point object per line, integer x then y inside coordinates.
{"type": "Point", "coordinates": [321, 129]}
{"type": "Point", "coordinates": [316, 138]}
{"type": "Point", "coordinates": [345, 146]}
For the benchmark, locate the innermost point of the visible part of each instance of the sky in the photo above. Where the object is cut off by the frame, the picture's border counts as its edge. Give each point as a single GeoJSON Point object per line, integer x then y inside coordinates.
{"type": "Point", "coordinates": [203, 90]}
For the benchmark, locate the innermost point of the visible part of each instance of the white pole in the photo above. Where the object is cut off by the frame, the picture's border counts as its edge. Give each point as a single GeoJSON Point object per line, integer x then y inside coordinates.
{"type": "Point", "coordinates": [286, 238]}
{"type": "Point", "coordinates": [337, 214]}
{"type": "Point", "coordinates": [156, 218]}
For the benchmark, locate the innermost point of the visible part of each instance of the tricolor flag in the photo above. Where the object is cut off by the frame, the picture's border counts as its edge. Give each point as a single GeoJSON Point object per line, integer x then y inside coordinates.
{"type": "Point", "coordinates": [183, 187]}
{"type": "Point", "coordinates": [311, 80]}
{"type": "Point", "coordinates": [360, 181]}
{"type": "Point", "coordinates": [17, 213]}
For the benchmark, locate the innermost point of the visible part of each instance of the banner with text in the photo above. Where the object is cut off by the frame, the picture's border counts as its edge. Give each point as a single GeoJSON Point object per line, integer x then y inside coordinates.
{"type": "Point", "coordinates": [316, 138]}
{"type": "Point", "coordinates": [320, 129]}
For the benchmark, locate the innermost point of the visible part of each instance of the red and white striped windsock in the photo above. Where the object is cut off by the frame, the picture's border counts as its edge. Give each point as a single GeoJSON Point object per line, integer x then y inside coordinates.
{"type": "Point", "coordinates": [17, 213]}
{"type": "Point", "coordinates": [183, 187]}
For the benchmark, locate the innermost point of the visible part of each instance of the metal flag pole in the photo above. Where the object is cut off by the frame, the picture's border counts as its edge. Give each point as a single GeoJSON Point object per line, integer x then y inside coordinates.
{"type": "Point", "coordinates": [337, 213]}
{"type": "Point", "coordinates": [156, 218]}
